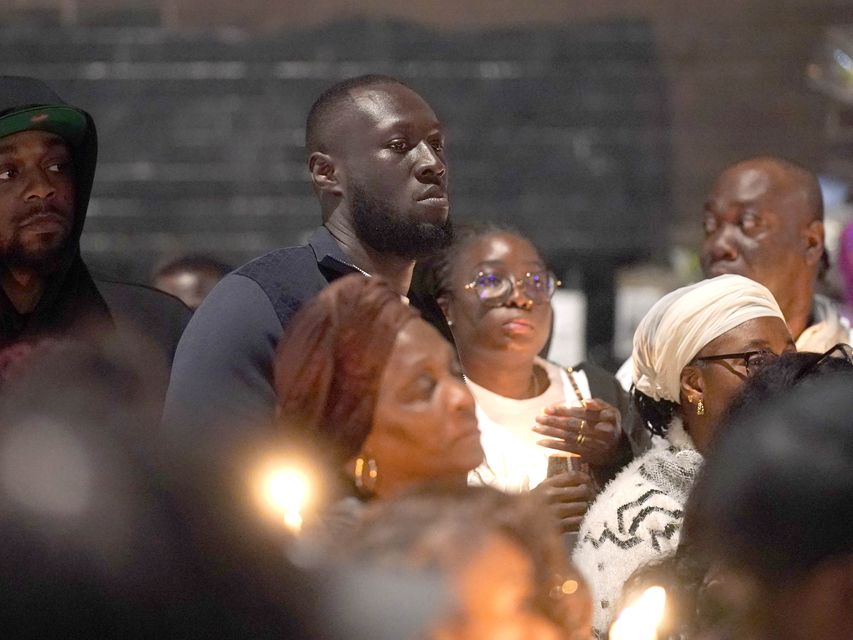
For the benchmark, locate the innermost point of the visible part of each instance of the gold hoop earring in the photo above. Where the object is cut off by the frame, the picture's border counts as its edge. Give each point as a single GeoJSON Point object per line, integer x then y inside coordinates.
{"type": "Point", "coordinates": [700, 409]}
{"type": "Point", "coordinates": [366, 472]}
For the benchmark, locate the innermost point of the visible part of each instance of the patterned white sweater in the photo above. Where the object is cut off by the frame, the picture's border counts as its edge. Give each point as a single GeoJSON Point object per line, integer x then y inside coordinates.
{"type": "Point", "coordinates": [634, 520]}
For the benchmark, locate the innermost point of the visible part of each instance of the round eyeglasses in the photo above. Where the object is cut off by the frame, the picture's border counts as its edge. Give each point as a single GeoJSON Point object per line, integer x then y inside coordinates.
{"type": "Point", "coordinates": [495, 289]}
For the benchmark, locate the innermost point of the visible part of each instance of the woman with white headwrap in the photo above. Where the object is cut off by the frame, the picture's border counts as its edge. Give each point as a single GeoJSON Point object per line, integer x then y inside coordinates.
{"type": "Point", "coordinates": [691, 353]}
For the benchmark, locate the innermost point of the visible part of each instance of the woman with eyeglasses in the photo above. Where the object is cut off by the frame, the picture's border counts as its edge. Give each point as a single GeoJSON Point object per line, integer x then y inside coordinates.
{"type": "Point", "coordinates": [495, 291]}
{"type": "Point", "coordinates": [692, 352]}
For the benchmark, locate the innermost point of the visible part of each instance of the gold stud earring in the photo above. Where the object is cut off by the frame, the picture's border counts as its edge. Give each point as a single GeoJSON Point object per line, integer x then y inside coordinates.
{"type": "Point", "coordinates": [700, 409]}
{"type": "Point", "coordinates": [690, 398]}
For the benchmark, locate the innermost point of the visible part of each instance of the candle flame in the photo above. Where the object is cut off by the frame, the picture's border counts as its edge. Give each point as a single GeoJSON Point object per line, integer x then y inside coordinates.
{"type": "Point", "coordinates": [288, 490]}
{"type": "Point", "coordinates": [640, 619]}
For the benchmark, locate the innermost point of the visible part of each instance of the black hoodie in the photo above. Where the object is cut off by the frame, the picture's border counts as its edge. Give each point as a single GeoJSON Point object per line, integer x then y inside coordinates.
{"type": "Point", "coordinates": [72, 296]}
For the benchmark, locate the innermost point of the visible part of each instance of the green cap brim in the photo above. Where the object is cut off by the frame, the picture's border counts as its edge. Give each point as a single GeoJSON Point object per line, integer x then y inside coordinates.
{"type": "Point", "coordinates": [66, 122]}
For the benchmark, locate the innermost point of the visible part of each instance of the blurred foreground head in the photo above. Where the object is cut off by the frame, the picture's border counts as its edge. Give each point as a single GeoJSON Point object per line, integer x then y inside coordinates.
{"type": "Point", "coordinates": [98, 542]}
{"type": "Point", "coordinates": [772, 512]}
{"type": "Point", "coordinates": [500, 556]}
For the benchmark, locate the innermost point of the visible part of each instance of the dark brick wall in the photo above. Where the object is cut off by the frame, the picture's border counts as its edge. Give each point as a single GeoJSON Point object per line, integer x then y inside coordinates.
{"type": "Point", "coordinates": [560, 131]}
{"type": "Point", "coordinates": [597, 127]}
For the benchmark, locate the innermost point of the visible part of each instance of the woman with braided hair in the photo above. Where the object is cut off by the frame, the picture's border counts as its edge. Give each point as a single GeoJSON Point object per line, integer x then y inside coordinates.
{"type": "Point", "coordinates": [376, 390]}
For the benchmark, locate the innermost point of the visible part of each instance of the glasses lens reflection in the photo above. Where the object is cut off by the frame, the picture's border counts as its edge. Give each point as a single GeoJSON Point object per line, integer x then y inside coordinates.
{"type": "Point", "coordinates": [495, 289]}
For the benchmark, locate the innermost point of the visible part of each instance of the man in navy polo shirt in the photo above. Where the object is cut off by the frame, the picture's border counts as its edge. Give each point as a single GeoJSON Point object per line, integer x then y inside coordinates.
{"type": "Point", "coordinates": [376, 157]}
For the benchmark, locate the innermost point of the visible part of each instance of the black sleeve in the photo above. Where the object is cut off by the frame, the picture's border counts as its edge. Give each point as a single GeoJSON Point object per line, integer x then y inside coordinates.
{"type": "Point", "coordinates": [603, 385]}
{"type": "Point", "coordinates": [147, 311]}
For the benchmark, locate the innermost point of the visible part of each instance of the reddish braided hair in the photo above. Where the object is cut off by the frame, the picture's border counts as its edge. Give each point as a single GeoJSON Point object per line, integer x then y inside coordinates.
{"type": "Point", "coordinates": [330, 360]}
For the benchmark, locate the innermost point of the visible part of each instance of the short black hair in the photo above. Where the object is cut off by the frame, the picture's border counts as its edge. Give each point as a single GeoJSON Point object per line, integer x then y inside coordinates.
{"type": "Point", "coordinates": [326, 107]}
{"type": "Point", "coordinates": [193, 262]}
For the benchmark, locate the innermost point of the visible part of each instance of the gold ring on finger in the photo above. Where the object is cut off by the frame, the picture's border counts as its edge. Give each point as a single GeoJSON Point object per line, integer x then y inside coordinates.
{"type": "Point", "coordinates": [581, 437]}
{"type": "Point", "coordinates": [583, 426]}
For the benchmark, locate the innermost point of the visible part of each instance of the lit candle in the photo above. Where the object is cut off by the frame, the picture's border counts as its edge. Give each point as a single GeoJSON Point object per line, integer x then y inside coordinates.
{"type": "Point", "coordinates": [288, 489]}
{"type": "Point", "coordinates": [640, 619]}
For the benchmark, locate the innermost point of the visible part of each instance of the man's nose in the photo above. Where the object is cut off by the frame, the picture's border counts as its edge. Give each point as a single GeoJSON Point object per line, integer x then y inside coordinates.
{"type": "Point", "coordinates": [722, 245]}
{"type": "Point", "coordinates": [429, 163]}
{"type": "Point", "coordinates": [39, 186]}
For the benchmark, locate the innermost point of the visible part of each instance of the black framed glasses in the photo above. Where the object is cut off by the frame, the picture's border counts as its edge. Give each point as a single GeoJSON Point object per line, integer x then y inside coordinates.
{"type": "Point", "coordinates": [495, 289]}
{"type": "Point", "coordinates": [840, 351]}
{"type": "Point", "coordinates": [753, 361]}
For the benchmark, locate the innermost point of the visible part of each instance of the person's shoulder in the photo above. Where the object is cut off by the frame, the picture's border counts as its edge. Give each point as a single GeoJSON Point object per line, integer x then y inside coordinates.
{"type": "Point", "coordinates": [145, 311]}
{"type": "Point", "coordinates": [603, 384]}
{"type": "Point", "coordinates": [127, 297]}
{"type": "Point", "coordinates": [278, 262]}
{"type": "Point", "coordinates": [288, 277]}
{"type": "Point", "coordinates": [594, 371]}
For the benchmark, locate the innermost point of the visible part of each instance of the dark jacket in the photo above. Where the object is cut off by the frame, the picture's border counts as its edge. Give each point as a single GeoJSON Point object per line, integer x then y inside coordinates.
{"type": "Point", "coordinates": [604, 386]}
{"type": "Point", "coordinates": [222, 377]}
{"type": "Point", "coordinates": [73, 298]}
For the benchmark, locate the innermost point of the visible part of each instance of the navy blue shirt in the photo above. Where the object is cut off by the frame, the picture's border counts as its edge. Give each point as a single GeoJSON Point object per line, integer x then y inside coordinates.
{"type": "Point", "coordinates": [222, 375]}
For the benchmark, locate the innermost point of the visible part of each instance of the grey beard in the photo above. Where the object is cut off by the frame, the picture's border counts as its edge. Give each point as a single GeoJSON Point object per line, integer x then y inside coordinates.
{"type": "Point", "coordinates": [384, 231]}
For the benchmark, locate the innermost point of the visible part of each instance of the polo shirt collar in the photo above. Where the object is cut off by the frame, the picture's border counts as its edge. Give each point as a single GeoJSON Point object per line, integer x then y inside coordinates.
{"type": "Point", "coordinates": [328, 252]}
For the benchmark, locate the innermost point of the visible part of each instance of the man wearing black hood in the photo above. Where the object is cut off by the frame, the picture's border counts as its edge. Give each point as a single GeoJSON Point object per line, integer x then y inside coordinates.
{"type": "Point", "coordinates": [48, 152]}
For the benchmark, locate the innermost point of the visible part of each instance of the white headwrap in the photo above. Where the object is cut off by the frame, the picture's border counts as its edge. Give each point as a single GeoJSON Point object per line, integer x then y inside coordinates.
{"type": "Point", "coordinates": [684, 321]}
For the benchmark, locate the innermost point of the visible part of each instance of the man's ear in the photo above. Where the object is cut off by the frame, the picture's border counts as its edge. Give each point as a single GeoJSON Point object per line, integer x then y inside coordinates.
{"type": "Point", "coordinates": [324, 173]}
{"type": "Point", "coordinates": [813, 236]}
{"type": "Point", "coordinates": [692, 384]}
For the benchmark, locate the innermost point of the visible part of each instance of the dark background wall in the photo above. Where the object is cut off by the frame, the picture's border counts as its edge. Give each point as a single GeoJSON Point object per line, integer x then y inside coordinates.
{"type": "Point", "coordinates": [596, 129]}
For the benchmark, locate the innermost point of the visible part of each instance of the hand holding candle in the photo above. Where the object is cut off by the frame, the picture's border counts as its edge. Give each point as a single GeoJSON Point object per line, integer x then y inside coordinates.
{"type": "Point", "coordinates": [592, 430]}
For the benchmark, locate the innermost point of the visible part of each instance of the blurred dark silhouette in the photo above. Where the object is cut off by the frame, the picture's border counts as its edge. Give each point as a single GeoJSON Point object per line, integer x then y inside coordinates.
{"type": "Point", "coordinates": [768, 512]}
{"type": "Point", "coordinates": [105, 538]}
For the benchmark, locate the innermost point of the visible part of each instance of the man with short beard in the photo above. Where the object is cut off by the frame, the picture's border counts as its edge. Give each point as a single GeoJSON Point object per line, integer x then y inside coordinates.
{"type": "Point", "coordinates": [376, 157]}
{"type": "Point", "coordinates": [48, 152]}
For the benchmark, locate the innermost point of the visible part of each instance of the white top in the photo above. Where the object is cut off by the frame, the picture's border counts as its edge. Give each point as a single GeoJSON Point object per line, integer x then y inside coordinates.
{"type": "Point", "coordinates": [635, 520]}
{"type": "Point", "coordinates": [514, 462]}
